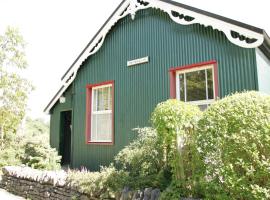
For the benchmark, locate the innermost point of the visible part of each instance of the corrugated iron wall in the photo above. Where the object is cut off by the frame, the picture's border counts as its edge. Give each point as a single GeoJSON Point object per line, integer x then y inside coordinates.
{"type": "Point", "coordinates": [55, 121]}
{"type": "Point", "coordinates": [139, 88]}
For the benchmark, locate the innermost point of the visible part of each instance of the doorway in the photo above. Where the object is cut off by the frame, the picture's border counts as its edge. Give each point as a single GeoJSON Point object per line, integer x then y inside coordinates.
{"type": "Point", "coordinates": [65, 137]}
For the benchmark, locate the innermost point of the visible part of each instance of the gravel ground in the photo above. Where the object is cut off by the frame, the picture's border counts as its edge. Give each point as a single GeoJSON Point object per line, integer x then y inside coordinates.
{"type": "Point", "coordinates": [4, 195]}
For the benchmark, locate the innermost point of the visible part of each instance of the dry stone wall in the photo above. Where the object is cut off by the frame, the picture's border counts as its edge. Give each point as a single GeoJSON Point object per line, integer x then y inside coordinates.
{"type": "Point", "coordinates": [51, 185]}
{"type": "Point", "coordinates": [38, 185]}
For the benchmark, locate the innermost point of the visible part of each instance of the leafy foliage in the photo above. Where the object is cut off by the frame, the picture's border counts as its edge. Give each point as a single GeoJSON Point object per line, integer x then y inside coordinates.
{"type": "Point", "coordinates": [40, 155]}
{"type": "Point", "coordinates": [142, 159]}
{"type": "Point", "coordinates": [13, 88]}
{"type": "Point", "coordinates": [31, 148]}
{"type": "Point", "coordinates": [36, 129]}
{"type": "Point", "coordinates": [11, 151]}
{"type": "Point", "coordinates": [234, 142]}
{"type": "Point", "coordinates": [103, 184]}
{"type": "Point", "coordinates": [175, 122]}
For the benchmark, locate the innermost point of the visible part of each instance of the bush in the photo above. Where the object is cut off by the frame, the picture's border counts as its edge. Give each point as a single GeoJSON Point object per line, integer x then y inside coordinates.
{"type": "Point", "coordinates": [234, 142]}
{"type": "Point", "coordinates": [99, 185]}
{"type": "Point", "coordinates": [10, 150]}
{"type": "Point", "coordinates": [39, 155]}
{"type": "Point", "coordinates": [28, 146]}
{"type": "Point", "coordinates": [175, 122]}
{"type": "Point", "coordinates": [142, 159]}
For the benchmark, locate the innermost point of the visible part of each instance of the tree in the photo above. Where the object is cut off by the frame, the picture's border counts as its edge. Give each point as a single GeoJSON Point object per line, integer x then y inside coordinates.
{"type": "Point", "coordinates": [36, 129]}
{"type": "Point", "coordinates": [14, 89]}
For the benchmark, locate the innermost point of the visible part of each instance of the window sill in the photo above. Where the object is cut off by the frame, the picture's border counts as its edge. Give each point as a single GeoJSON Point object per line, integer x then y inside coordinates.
{"type": "Point", "coordinates": [100, 143]}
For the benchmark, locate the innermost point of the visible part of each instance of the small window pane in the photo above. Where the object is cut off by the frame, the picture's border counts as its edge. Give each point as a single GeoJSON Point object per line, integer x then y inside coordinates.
{"type": "Point", "coordinates": [94, 100]}
{"type": "Point", "coordinates": [102, 99]}
{"type": "Point", "coordinates": [195, 85]}
{"type": "Point", "coordinates": [210, 84]}
{"type": "Point", "coordinates": [182, 87]}
{"type": "Point", "coordinates": [101, 127]}
{"type": "Point", "coordinates": [99, 99]}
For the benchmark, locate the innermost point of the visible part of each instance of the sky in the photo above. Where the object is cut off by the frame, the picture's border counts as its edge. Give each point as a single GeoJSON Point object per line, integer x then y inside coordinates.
{"type": "Point", "coordinates": [56, 31]}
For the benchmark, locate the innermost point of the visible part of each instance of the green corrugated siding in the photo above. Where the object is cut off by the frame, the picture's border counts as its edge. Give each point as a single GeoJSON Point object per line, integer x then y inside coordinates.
{"type": "Point", "coordinates": [55, 118]}
{"type": "Point", "coordinates": [139, 88]}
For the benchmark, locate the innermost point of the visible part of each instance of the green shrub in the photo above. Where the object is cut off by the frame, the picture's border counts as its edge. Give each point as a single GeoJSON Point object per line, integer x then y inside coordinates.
{"type": "Point", "coordinates": [142, 159]}
{"type": "Point", "coordinates": [172, 192]}
{"type": "Point", "coordinates": [103, 184]}
{"type": "Point", "coordinates": [39, 155]}
{"type": "Point", "coordinates": [10, 150]}
{"type": "Point", "coordinates": [175, 121]}
{"type": "Point", "coordinates": [234, 142]}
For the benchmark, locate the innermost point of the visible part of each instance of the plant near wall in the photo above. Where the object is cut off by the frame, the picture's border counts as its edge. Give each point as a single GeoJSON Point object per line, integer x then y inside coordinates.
{"type": "Point", "coordinates": [40, 155]}
{"type": "Point", "coordinates": [175, 122]}
{"type": "Point", "coordinates": [11, 150]}
{"type": "Point", "coordinates": [234, 141]}
{"type": "Point", "coordinates": [143, 160]}
{"type": "Point", "coordinates": [106, 183]}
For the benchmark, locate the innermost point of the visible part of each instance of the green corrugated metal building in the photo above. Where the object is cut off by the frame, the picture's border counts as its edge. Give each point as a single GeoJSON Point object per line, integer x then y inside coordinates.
{"type": "Point", "coordinates": [149, 51]}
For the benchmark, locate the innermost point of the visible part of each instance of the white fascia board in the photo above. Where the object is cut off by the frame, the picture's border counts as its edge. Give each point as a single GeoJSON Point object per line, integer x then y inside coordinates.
{"type": "Point", "coordinates": [130, 7]}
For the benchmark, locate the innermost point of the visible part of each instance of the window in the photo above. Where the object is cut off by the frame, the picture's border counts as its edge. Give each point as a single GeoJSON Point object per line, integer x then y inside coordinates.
{"type": "Point", "coordinates": [99, 113]}
{"type": "Point", "coordinates": [196, 84]}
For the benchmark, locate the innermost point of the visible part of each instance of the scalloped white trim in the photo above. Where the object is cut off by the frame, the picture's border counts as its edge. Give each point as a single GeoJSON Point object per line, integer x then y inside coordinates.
{"type": "Point", "coordinates": [130, 7]}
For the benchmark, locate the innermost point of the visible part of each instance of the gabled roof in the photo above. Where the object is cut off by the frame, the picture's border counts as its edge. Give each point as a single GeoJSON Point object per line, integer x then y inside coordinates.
{"type": "Point", "coordinates": [238, 33]}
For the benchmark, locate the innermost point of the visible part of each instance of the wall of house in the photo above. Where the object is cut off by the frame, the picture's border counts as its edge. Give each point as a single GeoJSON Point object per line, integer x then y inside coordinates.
{"type": "Point", "coordinates": [55, 120]}
{"type": "Point", "coordinates": [263, 67]}
{"type": "Point", "coordinates": [139, 88]}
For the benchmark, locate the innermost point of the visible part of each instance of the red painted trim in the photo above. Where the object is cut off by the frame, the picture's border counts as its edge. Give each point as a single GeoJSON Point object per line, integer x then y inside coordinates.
{"type": "Point", "coordinates": [88, 113]}
{"type": "Point", "coordinates": [173, 70]}
{"type": "Point", "coordinates": [216, 80]}
{"type": "Point", "coordinates": [201, 64]}
{"type": "Point", "coordinates": [172, 85]}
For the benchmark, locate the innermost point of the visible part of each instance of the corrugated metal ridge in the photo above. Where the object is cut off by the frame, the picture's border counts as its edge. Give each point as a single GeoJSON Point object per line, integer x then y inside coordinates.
{"type": "Point", "coordinates": [203, 12]}
{"type": "Point", "coordinates": [208, 14]}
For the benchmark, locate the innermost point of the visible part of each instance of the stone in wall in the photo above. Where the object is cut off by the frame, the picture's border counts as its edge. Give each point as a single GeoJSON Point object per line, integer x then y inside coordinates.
{"type": "Point", "coordinates": [38, 185]}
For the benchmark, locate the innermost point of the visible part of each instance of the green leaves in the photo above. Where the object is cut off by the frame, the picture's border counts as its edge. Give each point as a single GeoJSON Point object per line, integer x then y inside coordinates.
{"type": "Point", "coordinates": [14, 89]}
{"type": "Point", "coordinates": [40, 155]}
{"type": "Point", "coordinates": [175, 122]}
{"type": "Point", "coordinates": [173, 114]}
{"type": "Point", "coordinates": [142, 158]}
{"type": "Point", "coordinates": [233, 137]}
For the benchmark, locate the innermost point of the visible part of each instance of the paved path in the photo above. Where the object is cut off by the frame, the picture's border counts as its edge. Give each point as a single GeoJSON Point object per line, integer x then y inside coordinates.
{"type": "Point", "coordinates": [4, 195]}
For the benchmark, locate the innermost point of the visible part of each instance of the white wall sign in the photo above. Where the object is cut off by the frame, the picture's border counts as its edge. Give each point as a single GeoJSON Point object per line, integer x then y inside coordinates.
{"type": "Point", "coordinates": [137, 61]}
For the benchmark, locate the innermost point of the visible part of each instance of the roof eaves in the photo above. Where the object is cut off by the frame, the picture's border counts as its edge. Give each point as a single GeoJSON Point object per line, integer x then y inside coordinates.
{"type": "Point", "coordinates": [92, 40]}
{"type": "Point", "coordinates": [128, 7]}
{"type": "Point", "coordinates": [57, 93]}
{"type": "Point", "coordinates": [219, 17]}
{"type": "Point", "coordinates": [265, 47]}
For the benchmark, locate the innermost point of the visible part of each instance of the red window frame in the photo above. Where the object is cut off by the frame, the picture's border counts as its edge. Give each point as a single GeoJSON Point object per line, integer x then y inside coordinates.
{"type": "Point", "coordinates": [89, 112]}
{"type": "Point", "coordinates": [173, 70]}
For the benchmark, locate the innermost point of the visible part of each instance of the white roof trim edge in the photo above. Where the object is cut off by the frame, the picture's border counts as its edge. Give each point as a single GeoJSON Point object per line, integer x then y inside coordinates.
{"type": "Point", "coordinates": [130, 7]}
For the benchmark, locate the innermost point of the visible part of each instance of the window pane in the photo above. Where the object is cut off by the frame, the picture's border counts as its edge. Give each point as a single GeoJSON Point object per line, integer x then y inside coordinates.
{"type": "Point", "coordinates": [101, 129]}
{"type": "Point", "coordinates": [99, 99]}
{"type": "Point", "coordinates": [196, 85]}
{"type": "Point", "coordinates": [102, 99]}
{"type": "Point", "coordinates": [181, 87]}
{"type": "Point", "coordinates": [94, 100]}
{"type": "Point", "coordinates": [210, 84]}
